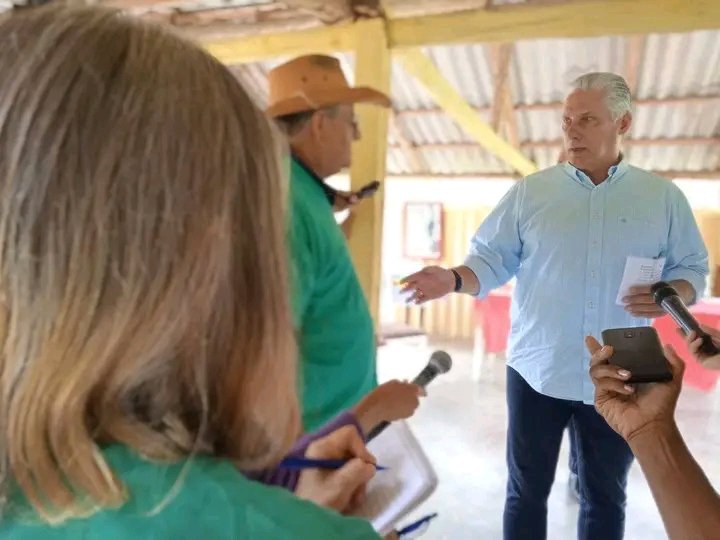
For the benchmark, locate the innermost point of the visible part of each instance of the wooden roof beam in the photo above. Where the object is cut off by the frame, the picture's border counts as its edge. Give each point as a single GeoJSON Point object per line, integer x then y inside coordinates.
{"type": "Point", "coordinates": [634, 54]}
{"type": "Point", "coordinates": [403, 143]}
{"type": "Point", "coordinates": [416, 63]}
{"type": "Point", "coordinates": [586, 18]}
{"type": "Point", "coordinates": [502, 115]}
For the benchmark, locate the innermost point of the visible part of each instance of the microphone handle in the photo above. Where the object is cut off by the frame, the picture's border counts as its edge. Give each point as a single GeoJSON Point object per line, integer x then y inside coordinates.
{"type": "Point", "coordinates": [377, 430]}
{"type": "Point", "coordinates": [426, 376]}
{"type": "Point", "coordinates": [682, 316]}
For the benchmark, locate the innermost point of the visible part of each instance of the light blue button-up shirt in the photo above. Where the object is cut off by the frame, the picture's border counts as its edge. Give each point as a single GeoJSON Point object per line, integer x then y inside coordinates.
{"type": "Point", "coordinates": [566, 241]}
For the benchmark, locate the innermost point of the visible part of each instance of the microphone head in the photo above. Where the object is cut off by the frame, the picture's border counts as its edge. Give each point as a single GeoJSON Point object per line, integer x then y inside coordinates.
{"type": "Point", "coordinates": [441, 361]}
{"type": "Point", "coordinates": [662, 290]}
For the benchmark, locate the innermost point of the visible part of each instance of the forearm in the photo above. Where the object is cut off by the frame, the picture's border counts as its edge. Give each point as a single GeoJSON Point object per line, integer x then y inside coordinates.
{"type": "Point", "coordinates": [470, 282]}
{"type": "Point", "coordinates": [368, 413]}
{"type": "Point", "coordinates": [689, 505]}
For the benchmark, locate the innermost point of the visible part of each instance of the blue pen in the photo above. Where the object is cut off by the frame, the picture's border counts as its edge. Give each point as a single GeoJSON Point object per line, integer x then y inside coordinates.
{"type": "Point", "coordinates": [307, 463]}
{"type": "Point", "coordinates": [415, 526]}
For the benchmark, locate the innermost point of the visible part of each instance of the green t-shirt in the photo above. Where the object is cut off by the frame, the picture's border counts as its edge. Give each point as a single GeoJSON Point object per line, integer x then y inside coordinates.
{"type": "Point", "coordinates": [214, 501]}
{"type": "Point", "coordinates": [336, 334]}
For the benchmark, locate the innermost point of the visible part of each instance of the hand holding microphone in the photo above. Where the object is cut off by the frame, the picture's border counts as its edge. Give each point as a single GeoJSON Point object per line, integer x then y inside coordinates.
{"type": "Point", "coordinates": [668, 298]}
{"type": "Point", "coordinates": [695, 344]}
{"type": "Point", "coordinates": [440, 362]}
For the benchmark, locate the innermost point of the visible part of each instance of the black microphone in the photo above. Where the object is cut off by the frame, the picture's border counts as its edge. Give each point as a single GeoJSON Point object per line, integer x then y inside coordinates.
{"type": "Point", "coordinates": [668, 298]}
{"type": "Point", "coordinates": [440, 362]}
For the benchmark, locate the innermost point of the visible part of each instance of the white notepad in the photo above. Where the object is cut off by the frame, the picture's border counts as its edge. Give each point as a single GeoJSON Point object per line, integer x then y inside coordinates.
{"type": "Point", "coordinates": [409, 480]}
{"type": "Point", "coordinates": [639, 271]}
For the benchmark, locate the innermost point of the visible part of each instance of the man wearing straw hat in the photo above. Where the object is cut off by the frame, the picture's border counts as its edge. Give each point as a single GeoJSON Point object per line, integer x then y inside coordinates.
{"type": "Point", "coordinates": [312, 101]}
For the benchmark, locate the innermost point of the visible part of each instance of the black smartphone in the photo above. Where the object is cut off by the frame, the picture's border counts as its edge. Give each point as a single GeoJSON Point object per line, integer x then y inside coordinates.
{"type": "Point", "coordinates": [368, 190]}
{"type": "Point", "coordinates": [639, 351]}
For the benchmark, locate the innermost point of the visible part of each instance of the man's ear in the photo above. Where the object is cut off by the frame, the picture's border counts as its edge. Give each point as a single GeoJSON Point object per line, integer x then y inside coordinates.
{"type": "Point", "coordinates": [317, 124]}
{"type": "Point", "coordinates": [625, 123]}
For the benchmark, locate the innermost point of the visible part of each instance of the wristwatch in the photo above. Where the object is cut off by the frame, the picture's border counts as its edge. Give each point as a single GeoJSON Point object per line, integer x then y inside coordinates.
{"type": "Point", "coordinates": [458, 280]}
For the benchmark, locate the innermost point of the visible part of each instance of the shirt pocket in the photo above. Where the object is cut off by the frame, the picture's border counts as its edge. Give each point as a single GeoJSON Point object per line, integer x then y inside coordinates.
{"type": "Point", "coordinates": [641, 233]}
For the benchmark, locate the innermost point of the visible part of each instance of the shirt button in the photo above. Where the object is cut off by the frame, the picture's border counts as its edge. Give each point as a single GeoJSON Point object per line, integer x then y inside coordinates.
{"type": "Point", "coordinates": [591, 305]}
{"type": "Point", "coordinates": [592, 275]}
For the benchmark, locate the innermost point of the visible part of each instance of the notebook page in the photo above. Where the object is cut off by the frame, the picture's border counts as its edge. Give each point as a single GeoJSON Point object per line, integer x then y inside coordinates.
{"type": "Point", "coordinates": [409, 480]}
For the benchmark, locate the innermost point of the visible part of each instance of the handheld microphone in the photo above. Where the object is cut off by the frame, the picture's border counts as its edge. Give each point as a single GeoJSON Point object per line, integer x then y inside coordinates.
{"type": "Point", "coordinates": [440, 362]}
{"type": "Point", "coordinates": [668, 298]}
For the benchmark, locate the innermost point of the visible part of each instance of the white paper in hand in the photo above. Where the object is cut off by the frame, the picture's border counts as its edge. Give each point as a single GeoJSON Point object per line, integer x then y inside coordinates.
{"type": "Point", "coordinates": [409, 480]}
{"type": "Point", "coordinates": [639, 271]}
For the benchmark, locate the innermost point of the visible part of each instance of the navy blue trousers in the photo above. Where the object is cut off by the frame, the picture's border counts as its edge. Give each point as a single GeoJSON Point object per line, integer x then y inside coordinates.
{"type": "Point", "coordinates": [603, 458]}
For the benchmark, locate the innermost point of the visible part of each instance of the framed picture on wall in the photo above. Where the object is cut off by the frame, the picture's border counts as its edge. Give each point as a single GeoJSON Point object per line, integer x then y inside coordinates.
{"type": "Point", "coordinates": [423, 230]}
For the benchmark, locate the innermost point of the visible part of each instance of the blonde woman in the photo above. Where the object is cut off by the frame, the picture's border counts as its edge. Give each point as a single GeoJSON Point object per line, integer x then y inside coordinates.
{"type": "Point", "coordinates": [147, 349]}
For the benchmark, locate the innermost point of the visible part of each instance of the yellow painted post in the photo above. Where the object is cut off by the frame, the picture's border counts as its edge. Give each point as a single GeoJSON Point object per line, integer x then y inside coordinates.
{"type": "Point", "coordinates": [372, 68]}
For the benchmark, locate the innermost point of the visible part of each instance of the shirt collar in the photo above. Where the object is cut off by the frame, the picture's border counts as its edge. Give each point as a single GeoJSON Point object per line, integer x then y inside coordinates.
{"type": "Point", "coordinates": [614, 173]}
{"type": "Point", "coordinates": [329, 191]}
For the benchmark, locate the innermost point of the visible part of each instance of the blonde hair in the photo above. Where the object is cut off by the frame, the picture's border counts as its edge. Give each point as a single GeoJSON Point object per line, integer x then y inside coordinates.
{"type": "Point", "coordinates": [143, 273]}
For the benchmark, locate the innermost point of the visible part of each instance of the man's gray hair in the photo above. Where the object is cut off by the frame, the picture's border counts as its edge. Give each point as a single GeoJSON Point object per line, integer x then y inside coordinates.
{"type": "Point", "coordinates": [292, 124]}
{"type": "Point", "coordinates": [617, 92]}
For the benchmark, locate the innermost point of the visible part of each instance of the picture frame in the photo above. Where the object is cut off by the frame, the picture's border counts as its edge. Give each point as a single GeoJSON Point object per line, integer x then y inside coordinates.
{"type": "Point", "coordinates": [423, 230]}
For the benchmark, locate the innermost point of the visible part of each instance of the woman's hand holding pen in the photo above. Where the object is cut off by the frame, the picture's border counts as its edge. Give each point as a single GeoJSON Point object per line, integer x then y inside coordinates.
{"type": "Point", "coordinates": [342, 489]}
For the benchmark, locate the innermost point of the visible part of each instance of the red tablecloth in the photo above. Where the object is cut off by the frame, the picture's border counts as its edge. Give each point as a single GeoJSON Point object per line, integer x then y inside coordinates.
{"type": "Point", "coordinates": [492, 317]}
{"type": "Point", "coordinates": [707, 312]}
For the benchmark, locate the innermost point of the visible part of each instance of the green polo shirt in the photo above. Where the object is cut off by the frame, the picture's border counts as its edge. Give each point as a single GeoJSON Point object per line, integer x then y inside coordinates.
{"type": "Point", "coordinates": [335, 329]}
{"type": "Point", "coordinates": [202, 498]}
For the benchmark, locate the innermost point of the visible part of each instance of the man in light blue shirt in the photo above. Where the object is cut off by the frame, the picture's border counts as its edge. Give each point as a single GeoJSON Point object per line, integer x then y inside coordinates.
{"type": "Point", "coordinates": [566, 233]}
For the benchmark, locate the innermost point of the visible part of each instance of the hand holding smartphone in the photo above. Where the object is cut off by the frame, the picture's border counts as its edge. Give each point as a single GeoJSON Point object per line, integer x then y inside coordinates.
{"type": "Point", "coordinates": [639, 351]}
{"type": "Point", "coordinates": [368, 190]}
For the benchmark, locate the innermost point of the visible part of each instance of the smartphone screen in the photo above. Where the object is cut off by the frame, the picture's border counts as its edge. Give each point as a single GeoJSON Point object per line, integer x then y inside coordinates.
{"type": "Point", "coordinates": [639, 351]}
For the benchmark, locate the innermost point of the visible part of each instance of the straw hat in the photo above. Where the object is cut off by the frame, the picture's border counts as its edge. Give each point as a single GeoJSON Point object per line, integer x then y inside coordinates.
{"type": "Point", "coordinates": [313, 82]}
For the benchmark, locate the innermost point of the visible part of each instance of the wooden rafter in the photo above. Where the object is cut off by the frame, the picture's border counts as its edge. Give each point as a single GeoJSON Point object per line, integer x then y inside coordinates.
{"type": "Point", "coordinates": [328, 39]}
{"type": "Point", "coordinates": [635, 51]}
{"type": "Point", "coordinates": [586, 18]}
{"type": "Point", "coordinates": [417, 64]}
{"type": "Point", "coordinates": [502, 115]}
{"type": "Point", "coordinates": [404, 144]}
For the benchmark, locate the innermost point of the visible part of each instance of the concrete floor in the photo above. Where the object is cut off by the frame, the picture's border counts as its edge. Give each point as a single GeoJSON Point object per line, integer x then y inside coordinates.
{"type": "Point", "coordinates": [469, 456]}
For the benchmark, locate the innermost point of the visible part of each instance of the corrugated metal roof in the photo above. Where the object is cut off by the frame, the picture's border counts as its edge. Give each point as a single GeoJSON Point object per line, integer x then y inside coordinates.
{"type": "Point", "coordinates": [672, 65]}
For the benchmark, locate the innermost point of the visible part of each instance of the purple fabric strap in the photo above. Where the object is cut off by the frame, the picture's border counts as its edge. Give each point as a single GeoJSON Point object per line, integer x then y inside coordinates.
{"type": "Point", "coordinates": [288, 479]}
